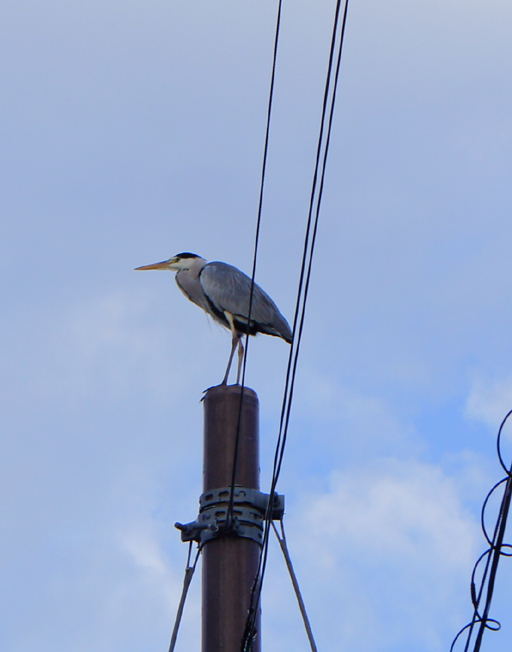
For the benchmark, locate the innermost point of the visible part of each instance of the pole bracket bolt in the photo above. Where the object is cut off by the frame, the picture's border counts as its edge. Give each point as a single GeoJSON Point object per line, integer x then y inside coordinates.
{"type": "Point", "coordinates": [250, 507]}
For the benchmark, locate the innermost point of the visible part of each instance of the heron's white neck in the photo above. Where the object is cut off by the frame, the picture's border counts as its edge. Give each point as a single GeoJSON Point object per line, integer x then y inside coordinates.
{"type": "Point", "coordinates": [189, 283]}
{"type": "Point", "coordinates": [190, 267]}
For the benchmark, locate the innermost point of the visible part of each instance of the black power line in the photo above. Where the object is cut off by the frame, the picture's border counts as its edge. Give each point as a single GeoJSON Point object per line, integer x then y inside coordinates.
{"type": "Point", "coordinates": [329, 102]}
{"type": "Point", "coordinates": [229, 515]}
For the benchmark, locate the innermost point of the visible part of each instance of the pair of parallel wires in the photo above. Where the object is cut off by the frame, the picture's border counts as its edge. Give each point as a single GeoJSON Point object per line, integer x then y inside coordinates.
{"type": "Point", "coordinates": [317, 188]}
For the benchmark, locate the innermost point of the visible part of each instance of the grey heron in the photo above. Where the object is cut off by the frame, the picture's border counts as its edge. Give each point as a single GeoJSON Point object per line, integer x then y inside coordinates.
{"type": "Point", "coordinates": [223, 292]}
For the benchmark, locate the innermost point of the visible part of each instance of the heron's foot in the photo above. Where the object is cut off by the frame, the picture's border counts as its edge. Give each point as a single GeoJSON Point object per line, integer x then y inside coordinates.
{"type": "Point", "coordinates": [222, 384]}
{"type": "Point", "coordinates": [205, 392]}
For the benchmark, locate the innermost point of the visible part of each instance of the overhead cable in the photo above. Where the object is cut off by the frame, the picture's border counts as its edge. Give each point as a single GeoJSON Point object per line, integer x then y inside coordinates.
{"type": "Point", "coordinates": [229, 515]}
{"type": "Point", "coordinates": [329, 102]}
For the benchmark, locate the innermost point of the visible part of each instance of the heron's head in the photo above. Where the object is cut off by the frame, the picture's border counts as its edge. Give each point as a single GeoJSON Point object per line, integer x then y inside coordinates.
{"type": "Point", "coordinates": [177, 263]}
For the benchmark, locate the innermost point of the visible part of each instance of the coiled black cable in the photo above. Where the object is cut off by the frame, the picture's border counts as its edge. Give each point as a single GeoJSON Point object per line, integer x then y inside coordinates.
{"type": "Point", "coordinates": [481, 621]}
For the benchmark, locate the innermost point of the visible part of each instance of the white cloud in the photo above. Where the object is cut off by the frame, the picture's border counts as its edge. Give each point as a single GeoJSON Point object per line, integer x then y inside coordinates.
{"type": "Point", "coordinates": [384, 556]}
{"type": "Point", "coordinates": [135, 129]}
{"type": "Point", "coordinates": [144, 550]}
{"type": "Point", "coordinates": [394, 509]}
{"type": "Point", "coordinates": [490, 401]}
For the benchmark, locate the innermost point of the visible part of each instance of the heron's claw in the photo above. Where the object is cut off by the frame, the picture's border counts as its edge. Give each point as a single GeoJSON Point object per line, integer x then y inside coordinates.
{"type": "Point", "coordinates": [222, 384]}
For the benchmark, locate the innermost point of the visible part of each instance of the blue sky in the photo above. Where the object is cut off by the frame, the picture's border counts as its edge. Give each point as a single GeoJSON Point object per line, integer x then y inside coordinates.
{"type": "Point", "coordinates": [134, 130]}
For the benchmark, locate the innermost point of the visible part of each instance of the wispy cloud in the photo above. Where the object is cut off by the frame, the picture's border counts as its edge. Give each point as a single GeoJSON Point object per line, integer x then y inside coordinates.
{"type": "Point", "coordinates": [383, 556]}
{"type": "Point", "coordinates": [490, 400]}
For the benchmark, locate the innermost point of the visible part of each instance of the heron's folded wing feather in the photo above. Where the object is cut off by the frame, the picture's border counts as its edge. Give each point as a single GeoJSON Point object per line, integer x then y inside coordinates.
{"type": "Point", "coordinates": [228, 289]}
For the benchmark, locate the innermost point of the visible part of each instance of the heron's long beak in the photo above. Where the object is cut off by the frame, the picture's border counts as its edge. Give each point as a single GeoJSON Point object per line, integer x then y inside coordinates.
{"type": "Point", "coordinates": [165, 264]}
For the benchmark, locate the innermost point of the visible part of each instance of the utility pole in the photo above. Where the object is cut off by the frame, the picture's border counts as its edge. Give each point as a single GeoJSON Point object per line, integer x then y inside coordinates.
{"type": "Point", "coordinates": [230, 563]}
{"type": "Point", "coordinates": [230, 547]}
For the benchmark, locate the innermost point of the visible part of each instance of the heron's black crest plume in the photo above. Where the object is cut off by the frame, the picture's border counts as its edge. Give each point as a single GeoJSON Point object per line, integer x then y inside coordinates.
{"type": "Point", "coordinates": [186, 254]}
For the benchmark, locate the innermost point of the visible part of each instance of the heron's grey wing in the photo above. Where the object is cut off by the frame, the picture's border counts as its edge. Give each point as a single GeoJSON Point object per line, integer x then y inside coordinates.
{"type": "Point", "coordinates": [228, 289]}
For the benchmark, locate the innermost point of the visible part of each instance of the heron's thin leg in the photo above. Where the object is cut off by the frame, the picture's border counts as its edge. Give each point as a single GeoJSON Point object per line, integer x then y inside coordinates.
{"type": "Point", "coordinates": [233, 347]}
{"type": "Point", "coordinates": [240, 359]}
{"type": "Point", "coordinates": [237, 339]}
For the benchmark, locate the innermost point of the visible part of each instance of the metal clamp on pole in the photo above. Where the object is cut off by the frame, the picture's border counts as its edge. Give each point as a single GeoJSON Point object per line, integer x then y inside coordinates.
{"type": "Point", "coordinates": [249, 509]}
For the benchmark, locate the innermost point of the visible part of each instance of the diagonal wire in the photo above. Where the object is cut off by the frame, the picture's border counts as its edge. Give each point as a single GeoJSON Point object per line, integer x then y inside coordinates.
{"type": "Point", "coordinates": [284, 548]}
{"type": "Point", "coordinates": [304, 280]}
{"type": "Point", "coordinates": [316, 197]}
{"type": "Point", "coordinates": [229, 514]}
{"type": "Point", "coordinates": [496, 554]}
{"type": "Point", "coordinates": [189, 573]}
